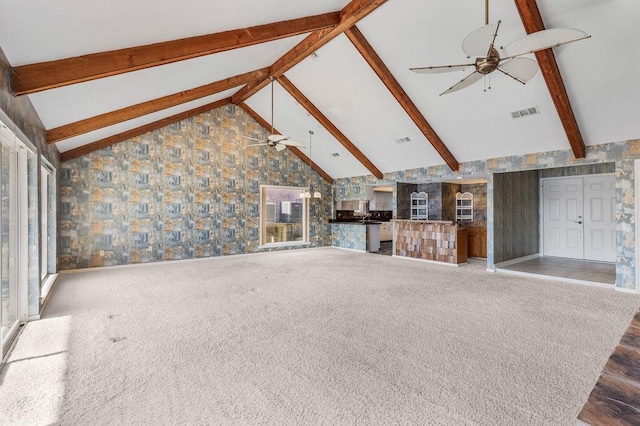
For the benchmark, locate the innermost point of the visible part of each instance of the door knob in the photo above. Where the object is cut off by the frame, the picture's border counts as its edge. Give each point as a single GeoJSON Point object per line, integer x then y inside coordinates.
{"type": "Point", "coordinates": [579, 222]}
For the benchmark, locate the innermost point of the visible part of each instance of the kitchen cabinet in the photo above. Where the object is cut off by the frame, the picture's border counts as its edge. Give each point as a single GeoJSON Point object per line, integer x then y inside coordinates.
{"type": "Point", "coordinates": [382, 201]}
{"type": "Point", "coordinates": [477, 242]}
{"type": "Point", "coordinates": [386, 231]}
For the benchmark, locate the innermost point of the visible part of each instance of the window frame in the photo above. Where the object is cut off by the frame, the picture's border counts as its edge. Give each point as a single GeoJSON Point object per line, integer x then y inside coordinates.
{"type": "Point", "coordinates": [263, 220]}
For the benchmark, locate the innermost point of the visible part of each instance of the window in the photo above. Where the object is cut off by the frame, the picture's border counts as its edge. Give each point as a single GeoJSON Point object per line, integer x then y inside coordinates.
{"type": "Point", "coordinates": [464, 207]}
{"type": "Point", "coordinates": [419, 206]}
{"type": "Point", "coordinates": [47, 220]}
{"type": "Point", "coordinates": [283, 216]}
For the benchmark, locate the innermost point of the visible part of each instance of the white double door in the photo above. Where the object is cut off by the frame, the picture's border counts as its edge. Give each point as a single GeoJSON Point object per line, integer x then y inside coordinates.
{"type": "Point", "coordinates": [578, 218]}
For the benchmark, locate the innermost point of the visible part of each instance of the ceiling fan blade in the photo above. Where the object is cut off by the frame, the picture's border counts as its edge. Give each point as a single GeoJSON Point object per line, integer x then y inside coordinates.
{"type": "Point", "coordinates": [544, 39]}
{"type": "Point", "coordinates": [259, 144]}
{"type": "Point", "coordinates": [440, 69]}
{"type": "Point", "coordinates": [252, 138]}
{"type": "Point", "coordinates": [276, 138]}
{"type": "Point", "coordinates": [465, 82]}
{"type": "Point", "coordinates": [521, 69]}
{"type": "Point", "coordinates": [280, 146]}
{"type": "Point", "coordinates": [478, 42]}
{"type": "Point", "coordinates": [290, 143]}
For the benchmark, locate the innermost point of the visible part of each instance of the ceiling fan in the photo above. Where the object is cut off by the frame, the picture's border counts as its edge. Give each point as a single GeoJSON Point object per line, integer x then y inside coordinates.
{"type": "Point", "coordinates": [276, 140]}
{"type": "Point", "coordinates": [480, 44]}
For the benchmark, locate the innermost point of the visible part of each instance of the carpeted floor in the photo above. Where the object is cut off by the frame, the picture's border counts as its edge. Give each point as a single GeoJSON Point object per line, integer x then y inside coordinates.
{"type": "Point", "coordinates": [307, 337]}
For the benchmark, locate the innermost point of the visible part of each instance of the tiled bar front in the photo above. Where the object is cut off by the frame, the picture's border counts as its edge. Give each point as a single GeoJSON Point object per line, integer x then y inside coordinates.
{"type": "Point", "coordinates": [429, 240]}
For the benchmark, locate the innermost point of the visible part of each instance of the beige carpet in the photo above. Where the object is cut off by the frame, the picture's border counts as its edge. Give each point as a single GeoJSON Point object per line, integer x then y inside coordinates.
{"type": "Point", "coordinates": [307, 337]}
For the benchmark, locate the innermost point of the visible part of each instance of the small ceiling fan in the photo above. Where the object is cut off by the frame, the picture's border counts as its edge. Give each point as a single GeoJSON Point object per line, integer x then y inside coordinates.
{"type": "Point", "coordinates": [480, 44]}
{"type": "Point", "coordinates": [276, 140]}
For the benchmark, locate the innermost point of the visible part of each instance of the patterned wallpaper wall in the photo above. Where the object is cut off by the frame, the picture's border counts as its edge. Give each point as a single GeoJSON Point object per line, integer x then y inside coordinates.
{"type": "Point", "coordinates": [189, 190]}
{"type": "Point", "coordinates": [622, 154]}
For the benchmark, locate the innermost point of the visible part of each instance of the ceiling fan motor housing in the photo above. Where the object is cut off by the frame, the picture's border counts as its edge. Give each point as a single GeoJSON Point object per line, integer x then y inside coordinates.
{"type": "Point", "coordinates": [488, 64]}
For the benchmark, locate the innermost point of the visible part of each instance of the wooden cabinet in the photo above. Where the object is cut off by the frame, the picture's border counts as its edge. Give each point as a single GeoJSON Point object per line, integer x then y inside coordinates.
{"type": "Point", "coordinates": [477, 242]}
{"type": "Point", "coordinates": [461, 246]}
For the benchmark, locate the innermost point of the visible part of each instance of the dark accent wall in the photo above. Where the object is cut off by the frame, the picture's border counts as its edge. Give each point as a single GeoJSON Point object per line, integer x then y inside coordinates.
{"type": "Point", "coordinates": [188, 190]}
{"type": "Point", "coordinates": [516, 223]}
{"type": "Point", "coordinates": [449, 191]}
{"type": "Point", "coordinates": [403, 199]}
{"type": "Point", "coordinates": [479, 191]}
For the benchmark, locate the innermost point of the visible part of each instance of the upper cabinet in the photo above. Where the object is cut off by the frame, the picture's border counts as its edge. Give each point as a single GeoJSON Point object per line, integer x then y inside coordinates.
{"type": "Point", "coordinates": [464, 207]}
{"type": "Point", "coordinates": [419, 206]}
{"type": "Point", "coordinates": [382, 201]}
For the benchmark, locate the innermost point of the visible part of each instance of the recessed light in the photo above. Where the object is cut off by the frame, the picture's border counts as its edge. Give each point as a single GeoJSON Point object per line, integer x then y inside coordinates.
{"type": "Point", "coordinates": [459, 177]}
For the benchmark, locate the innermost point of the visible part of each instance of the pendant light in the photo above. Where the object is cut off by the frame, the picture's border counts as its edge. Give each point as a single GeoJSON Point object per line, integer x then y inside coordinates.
{"type": "Point", "coordinates": [307, 192]}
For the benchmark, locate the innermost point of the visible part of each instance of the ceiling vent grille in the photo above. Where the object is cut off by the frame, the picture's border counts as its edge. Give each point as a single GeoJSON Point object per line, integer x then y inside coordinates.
{"type": "Point", "coordinates": [335, 154]}
{"type": "Point", "coordinates": [406, 139]}
{"type": "Point", "coordinates": [525, 112]}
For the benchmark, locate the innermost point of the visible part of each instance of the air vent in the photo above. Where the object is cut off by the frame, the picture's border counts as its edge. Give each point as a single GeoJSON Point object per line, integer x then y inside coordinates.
{"type": "Point", "coordinates": [403, 140]}
{"type": "Point", "coordinates": [335, 154]}
{"type": "Point", "coordinates": [525, 112]}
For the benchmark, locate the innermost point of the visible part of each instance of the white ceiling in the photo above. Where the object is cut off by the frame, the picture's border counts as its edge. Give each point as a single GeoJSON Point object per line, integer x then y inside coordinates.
{"type": "Point", "coordinates": [599, 73]}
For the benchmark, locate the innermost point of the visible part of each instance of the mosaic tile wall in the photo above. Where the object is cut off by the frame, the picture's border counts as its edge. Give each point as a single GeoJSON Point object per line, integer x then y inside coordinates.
{"type": "Point", "coordinates": [349, 236]}
{"type": "Point", "coordinates": [189, 190]}
{"type": "Point", "coordinates": [622, 154]}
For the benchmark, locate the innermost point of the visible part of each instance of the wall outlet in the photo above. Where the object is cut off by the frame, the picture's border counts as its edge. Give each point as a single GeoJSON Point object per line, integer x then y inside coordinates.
{"type": "Point", "coordinates": [101, 253]}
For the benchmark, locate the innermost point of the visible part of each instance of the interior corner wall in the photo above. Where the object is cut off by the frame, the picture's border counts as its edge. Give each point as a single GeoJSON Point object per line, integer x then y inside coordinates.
{"type": "Point", "coordinates": [23, 115]}
{"type": "Point", "coordinates": [516, 222]}
{"type": "Point", "coordinates": [188, 190]}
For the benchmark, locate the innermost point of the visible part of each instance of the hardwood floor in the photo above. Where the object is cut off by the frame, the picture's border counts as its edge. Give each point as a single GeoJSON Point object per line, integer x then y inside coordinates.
{"type": "Point", "coordinates": [615, 399]}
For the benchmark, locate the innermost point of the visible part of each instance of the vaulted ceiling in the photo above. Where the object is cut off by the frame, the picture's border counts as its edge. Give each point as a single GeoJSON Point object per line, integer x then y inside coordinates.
{"type": "Point", "coordinates": [99, 73]}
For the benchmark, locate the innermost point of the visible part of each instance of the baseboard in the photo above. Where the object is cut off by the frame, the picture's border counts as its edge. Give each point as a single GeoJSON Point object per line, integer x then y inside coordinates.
{"type": "Point", "coordinates": [349, 249]}
{"type": "Point", "coordinates": [627, 290]}
{"type": "Point", "coordinates": [517, 260]}
{"type": "Point", "coordinates": [197, 259]}
{"type": "Point", "coordinates": [434, 262]}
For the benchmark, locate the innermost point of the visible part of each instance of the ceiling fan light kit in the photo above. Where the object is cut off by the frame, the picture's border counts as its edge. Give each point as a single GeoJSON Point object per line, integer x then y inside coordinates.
{"type": "Point", "coordinates": [481, 45]}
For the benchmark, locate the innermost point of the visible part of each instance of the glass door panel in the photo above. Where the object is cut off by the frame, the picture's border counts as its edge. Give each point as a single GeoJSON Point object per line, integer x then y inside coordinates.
{"type": "Point", "coordinates": [9, 229]}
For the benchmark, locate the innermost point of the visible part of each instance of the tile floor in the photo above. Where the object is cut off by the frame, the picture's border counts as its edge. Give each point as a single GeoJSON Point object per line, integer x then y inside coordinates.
{"type": "Point", "coordinates": [574, 269]}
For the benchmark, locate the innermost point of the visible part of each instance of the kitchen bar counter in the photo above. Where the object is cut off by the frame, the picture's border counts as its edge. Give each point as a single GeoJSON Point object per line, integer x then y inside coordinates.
{"type": "Point", "coordinates": [358, 235]}
{"type": "Point", "coordinates": [434, 240]}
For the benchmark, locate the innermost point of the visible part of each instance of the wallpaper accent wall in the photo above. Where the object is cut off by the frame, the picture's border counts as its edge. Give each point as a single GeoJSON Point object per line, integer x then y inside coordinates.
{"type": "Point", "coordinates": [622, 154]}
{"type": "Point", "coordinates": [189, 190]}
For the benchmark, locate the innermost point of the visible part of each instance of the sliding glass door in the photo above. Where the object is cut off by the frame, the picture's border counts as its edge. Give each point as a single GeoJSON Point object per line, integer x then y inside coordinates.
{"type": "Point", "coordinates": [8, 222]}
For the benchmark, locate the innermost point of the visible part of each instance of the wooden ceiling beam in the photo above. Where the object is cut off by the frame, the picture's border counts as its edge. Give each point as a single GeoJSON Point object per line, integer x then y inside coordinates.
{"type": "Point", "coordinates": [327, 124]}
{"type": "Point", "coordinates": [114, 117]}
{"type": "Point", "coordinates": [532, 21]}
{"type": "Point", "coordinates": [33, 78]}
{"type": "Point", "coordinates": [378, 66]}
{"type": "Point", "coordinates": [120, 137]}
{"type": "Point", "coordinates": [293, 149]}
{"type": "Point", "coordinates": [349, 16]}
